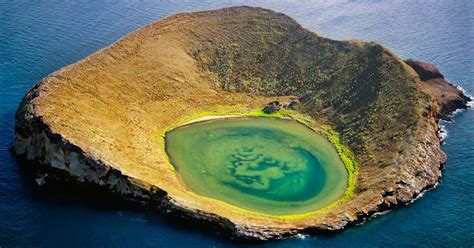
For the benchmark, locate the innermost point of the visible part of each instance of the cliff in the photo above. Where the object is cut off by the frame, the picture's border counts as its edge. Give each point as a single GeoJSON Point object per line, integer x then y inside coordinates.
{"type": "Point", "coordinates": [100, 119]}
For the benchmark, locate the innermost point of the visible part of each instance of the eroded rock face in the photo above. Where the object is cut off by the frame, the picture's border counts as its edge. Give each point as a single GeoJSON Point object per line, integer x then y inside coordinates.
{"type": "Point", "coordinates": [89, 121]}
{"type": "Point", "coordinates": [35, 141]}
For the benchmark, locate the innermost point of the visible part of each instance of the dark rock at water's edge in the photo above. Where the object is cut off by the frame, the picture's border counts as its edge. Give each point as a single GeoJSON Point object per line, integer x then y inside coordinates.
{"type": "Point", "coordinates": [447, 96]}
{"type": "Point", "coordinates": [272, 107]}
{"type": "Point", "coordinates": [275, 106]}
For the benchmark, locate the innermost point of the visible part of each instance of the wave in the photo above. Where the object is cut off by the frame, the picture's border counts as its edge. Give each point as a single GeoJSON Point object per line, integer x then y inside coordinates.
{"type": "Point", "coordinates": [442, 132]}
{"type": "Point", "coordinates": [470, 104]}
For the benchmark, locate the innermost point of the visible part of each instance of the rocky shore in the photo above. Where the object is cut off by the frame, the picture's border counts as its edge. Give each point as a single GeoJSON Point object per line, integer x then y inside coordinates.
{"type": "Point", "coordinates": [87, 121]}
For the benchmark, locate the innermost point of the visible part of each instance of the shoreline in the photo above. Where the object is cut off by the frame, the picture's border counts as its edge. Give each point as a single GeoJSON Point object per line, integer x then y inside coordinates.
{"type": "Point", "coordinates": [207, 118]}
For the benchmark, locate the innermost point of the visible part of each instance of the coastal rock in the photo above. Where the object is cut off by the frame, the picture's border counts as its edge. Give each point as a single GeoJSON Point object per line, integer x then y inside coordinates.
{"type": "Point", "coordinates": [426, 71]}
{"type": "Point", "coordinates": [97, 121]}
{"type": "Point", "coordinates": [448, 98]}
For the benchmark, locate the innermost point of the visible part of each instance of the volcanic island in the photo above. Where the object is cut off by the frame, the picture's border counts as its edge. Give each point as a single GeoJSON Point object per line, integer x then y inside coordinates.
{"type": "Point", "coordinates": [243, 120]}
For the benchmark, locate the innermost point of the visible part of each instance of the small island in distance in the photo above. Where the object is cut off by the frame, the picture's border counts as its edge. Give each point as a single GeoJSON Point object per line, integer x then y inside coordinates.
{"type": "Point", "coordinates": [109, 120]}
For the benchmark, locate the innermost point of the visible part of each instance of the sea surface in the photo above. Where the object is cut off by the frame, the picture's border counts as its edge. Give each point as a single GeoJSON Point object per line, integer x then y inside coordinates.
{"type": "Point", "coordinates": [37, 37]}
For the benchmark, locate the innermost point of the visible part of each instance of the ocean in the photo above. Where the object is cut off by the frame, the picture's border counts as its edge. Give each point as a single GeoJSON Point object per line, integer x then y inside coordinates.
{"type": "Point", "coordinates": [38, 37]}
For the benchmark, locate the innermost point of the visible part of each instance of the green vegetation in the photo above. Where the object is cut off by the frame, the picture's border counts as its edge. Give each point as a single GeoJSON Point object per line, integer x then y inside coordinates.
{"type": "Point", "coordinates": [347, 158]}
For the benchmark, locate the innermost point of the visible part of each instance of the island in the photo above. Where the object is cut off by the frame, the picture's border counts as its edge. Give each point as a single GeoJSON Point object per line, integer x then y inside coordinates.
{"type": "Point", "coordinates": [321, 134]}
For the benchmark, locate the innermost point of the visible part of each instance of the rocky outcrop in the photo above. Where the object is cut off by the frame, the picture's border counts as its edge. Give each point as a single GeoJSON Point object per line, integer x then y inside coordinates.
{"type": "Point", "coordinates": [448, 98]}
{"type": "Point", "coordinates": [272, 107]}
{"type": "Point", "coordinates": [293, 105]}
{"type": "Point", "coordinates": [426, 71]}
{"type": "Point", "coordinates": [275, 106]}
{"type": "Point", "coordinates": [91, 122]}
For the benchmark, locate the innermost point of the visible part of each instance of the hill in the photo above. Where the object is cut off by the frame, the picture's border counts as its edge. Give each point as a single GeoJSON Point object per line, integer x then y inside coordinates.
{"type": "Point", "coordinates": [101, 119]}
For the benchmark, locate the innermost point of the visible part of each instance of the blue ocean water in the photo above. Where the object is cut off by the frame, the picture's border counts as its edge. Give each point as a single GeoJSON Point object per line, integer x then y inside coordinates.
{"type": "Point", "coordinates": [38, 36]}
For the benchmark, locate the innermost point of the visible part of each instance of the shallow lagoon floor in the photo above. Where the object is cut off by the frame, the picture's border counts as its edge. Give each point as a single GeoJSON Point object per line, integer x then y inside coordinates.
{"type": "Point", "coordinates": [272, 166]}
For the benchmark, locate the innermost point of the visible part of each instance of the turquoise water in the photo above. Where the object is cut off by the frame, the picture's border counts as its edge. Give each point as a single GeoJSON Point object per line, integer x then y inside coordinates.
{"type": "Point", "coordinates": [38, 37]}
{"type": "Point", "coordinates": [267, 165]}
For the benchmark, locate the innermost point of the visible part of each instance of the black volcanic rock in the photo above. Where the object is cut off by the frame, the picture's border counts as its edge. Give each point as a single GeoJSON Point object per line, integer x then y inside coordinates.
{"type": "Point", "coordinates": [272, 107]}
